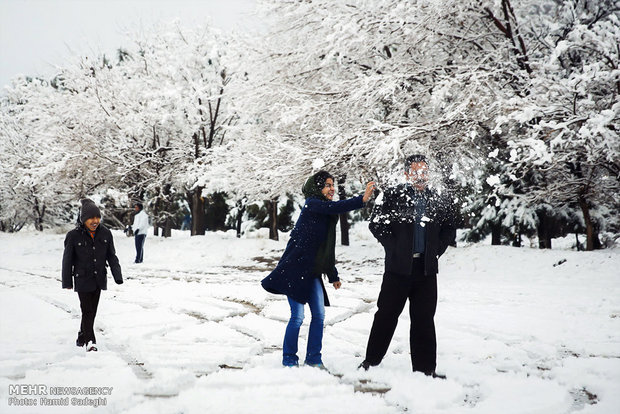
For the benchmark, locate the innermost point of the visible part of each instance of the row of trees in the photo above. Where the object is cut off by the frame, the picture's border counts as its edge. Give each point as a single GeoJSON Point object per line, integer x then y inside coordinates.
{"type": "Point", "coordinates": [516, 105]}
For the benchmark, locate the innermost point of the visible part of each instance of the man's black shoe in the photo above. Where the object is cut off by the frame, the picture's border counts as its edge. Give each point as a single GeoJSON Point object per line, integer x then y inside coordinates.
{"type": "Point", "coordinates": [365, 365]}
{"type": "Point", "coordinates": [433, 374]}
{"type": "Point", "coordinates": [79, 343]}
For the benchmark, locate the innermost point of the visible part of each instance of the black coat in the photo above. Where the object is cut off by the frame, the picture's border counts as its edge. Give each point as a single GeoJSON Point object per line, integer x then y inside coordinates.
{"type": "Point", "coordinates": [392, 223]}
{"type": "Point", "coordinates": [84, 260]}
{"type": "Point", "coordinates": [294, 273]}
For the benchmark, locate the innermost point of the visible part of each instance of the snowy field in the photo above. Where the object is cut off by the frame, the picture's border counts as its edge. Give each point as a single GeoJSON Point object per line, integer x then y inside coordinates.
{"type": "Point", "coordinates": [192, 331]}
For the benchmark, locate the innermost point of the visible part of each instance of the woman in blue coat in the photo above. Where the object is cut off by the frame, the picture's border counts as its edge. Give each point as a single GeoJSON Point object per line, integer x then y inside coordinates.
{"type": "Point", "coordinates": [309, 254]}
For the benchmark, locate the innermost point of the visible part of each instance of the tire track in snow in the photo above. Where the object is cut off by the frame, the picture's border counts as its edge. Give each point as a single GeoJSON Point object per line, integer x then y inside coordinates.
{"type": "Point", "coordinates": [361, 308]}
{"type": "Point", "coordinates": [137, 367]}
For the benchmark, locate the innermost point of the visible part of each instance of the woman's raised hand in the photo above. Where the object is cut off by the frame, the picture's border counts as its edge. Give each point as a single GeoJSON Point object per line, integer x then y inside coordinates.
{"type": "Point", "coordinates": [370, 187]}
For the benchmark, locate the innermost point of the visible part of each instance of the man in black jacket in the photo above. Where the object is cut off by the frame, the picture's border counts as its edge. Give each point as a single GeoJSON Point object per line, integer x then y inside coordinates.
{"type": "Point", "coordinates": [87, 249]}
{"type": "Point", "coordinates": [415, 225]}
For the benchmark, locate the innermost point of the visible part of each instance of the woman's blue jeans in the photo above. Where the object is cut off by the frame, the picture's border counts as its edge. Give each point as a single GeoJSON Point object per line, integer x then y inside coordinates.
{"type": "Point", "coordinates": [315, 335]}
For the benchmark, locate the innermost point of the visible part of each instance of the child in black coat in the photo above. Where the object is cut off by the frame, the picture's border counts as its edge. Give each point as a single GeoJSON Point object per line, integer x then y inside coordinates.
{"type": "Point", "coordinates": [87, 249]}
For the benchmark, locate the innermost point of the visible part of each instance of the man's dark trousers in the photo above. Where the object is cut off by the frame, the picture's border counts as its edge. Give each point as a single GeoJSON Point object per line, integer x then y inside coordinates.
{"type": "Point", "coordinates": [88, 303]}
{"type": "Point", "coordinates": [139, 239]}
{"type": "Point", "coordinates": [422, 294]}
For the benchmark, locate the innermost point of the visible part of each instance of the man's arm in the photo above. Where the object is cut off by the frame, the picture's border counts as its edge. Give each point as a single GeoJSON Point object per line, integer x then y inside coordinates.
{"type": "Point", "coordinates": [381, 218]}
{"type": "Point", "coordinates": [447, 236]}
{"type": "Point", "coordinates": [447, 232]}
{"type": "Point", "coordinates": [134, 225]}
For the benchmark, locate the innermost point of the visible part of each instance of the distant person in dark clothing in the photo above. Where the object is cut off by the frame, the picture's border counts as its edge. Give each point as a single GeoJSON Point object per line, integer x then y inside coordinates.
{"type": "Point", "coordinates": [87, 249]}
{"type": "Point", "coordinates": [415, 225]}
{"type": "Point", "coordinates": [140, 227]}
{"type": "Point", "coordinates": [309, 254]}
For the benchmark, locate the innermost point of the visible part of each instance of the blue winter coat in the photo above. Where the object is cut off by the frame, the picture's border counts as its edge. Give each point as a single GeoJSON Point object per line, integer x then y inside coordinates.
{"type": "Point", "coordinates": [295, 270]}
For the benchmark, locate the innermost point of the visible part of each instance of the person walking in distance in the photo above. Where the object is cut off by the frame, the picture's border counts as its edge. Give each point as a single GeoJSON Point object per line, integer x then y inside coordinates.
{"type": "Point", "coordinates": [87, 249]}
{"type": "Point", "coordinates": [415, 224]}
{"type": "Point", "coordinates": [140, 227]}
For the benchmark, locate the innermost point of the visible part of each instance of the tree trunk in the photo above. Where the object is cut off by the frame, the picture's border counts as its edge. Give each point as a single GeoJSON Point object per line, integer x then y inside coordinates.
{"type": "Point", "coordinates": [155, 209]}
{"type": "Point", "coordinates": [167, 229]}
{"type": "Point", "coordinates": [199, 222]}
{"type": "Point", "coordinates": [156, 225]}
{"type": "Point", "coordinates": [344, 217]}
{"type": "Point", "coordinates": [543, 229]}
{"type": "Point", "coordinates": [516, 240]}
{"type": "Point", "coordinates": [588, 220]}
{"type": "Point", "coordinates": [272, 209]}
{"type": "Point", "coordinates": [496, 234]}
{"type": "Point", "coordinates": [38, 215]}
{"type": "Point", "coordinates": [157, 221]}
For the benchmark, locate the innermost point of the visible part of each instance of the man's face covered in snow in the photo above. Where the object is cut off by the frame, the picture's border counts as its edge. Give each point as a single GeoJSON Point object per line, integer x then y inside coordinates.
{"type": "Point", "coordinates": [418, 174]}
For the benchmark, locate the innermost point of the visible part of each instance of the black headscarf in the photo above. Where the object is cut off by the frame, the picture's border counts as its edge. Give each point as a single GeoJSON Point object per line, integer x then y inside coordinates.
{"type": "Point", "coordinates": [326, 255]}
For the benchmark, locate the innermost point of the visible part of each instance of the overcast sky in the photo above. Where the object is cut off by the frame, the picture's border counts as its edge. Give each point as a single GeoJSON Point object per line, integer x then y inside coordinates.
{"type": "Point", "coordinates": [35, 35]}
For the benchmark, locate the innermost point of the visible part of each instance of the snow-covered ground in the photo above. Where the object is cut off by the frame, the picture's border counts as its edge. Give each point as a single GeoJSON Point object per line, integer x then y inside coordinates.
{"type": "Point", "coordinates": [520, 330]}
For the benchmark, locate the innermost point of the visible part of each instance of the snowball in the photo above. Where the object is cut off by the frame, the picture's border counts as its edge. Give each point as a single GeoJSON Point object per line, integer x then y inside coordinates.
{"type": "Point", "coordinates": [318, 163]}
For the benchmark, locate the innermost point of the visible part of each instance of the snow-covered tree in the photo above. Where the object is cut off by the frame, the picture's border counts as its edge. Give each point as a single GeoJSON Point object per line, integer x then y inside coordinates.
{"type": "Point", "coordinates": [166, 99]}
{"type": "Point", "coordinates": [565, 131]}
{"type": "Point", "coordinates": [514, 104]}
{"type": "Point", "coordinates": [372, 80]}
{"type": "Point", "coordinates": [139, 125]}
{"type": "Point", "coordinates": [47, 158]}
{"type": "Point", "coordinates": [362, 85]}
